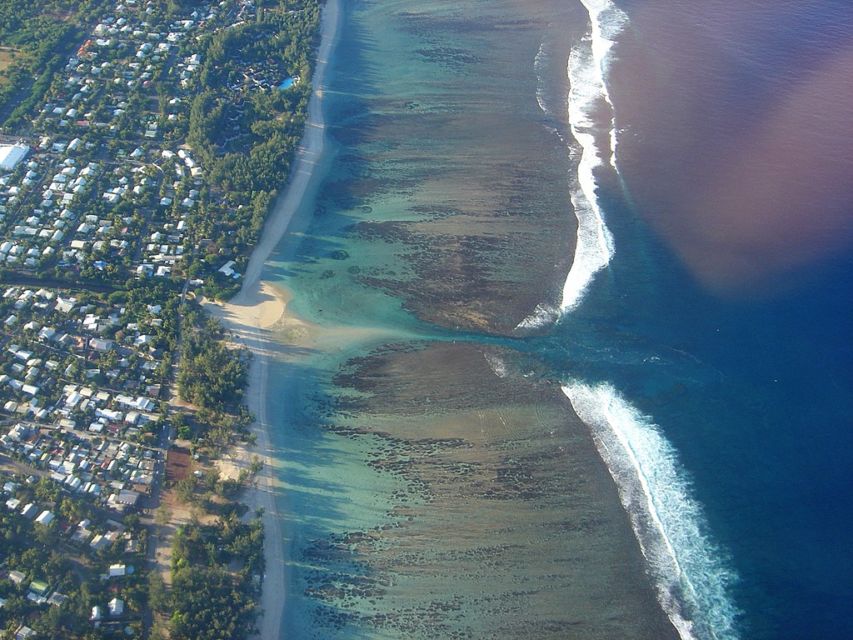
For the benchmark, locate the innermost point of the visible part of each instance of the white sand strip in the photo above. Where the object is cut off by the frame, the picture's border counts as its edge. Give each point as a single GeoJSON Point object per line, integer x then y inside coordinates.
{"type": "Point", "coordinates": [255, 309]}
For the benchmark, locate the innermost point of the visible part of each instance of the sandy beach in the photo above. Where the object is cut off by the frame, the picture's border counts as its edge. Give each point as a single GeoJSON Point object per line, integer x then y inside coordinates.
{"type": "Point", "coordinates": [250, 316]}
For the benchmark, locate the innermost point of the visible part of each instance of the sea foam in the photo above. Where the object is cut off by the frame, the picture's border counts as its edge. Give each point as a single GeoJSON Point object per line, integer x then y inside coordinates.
{"type": "Point", "coordinates": [594, 244]}
{"type": "Point", "coordinates": [588, 98]}
{"type": "Point", "coordinates": [607, 22]}
{"type": "Point", "coordinates": [588, 67]}
{"type": "Point", "coordinates": [691, 578]}
{"type": "Point", "coordinates": [538, 64]}
{"type": "Point", "coordinates": [497, 365]}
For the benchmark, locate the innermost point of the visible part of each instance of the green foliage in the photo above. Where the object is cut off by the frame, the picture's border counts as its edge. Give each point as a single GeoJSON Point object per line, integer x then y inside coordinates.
{"type": "Point", "coordinates": [209, 605]}
{"type": "Point", "coordinates": [211, 375]}
{"type": "Point", "coordinates": [185, 489]}
{"type": "Point", "coordinates": [209, 601]}
{"type": "Point", "coordinates": [46, 491]}
{"type": "Point", "coordinates": [246, 130]}
{"type": "Point", "coordinates": [158, 597]}
{"type": "Point", "coordinates": [46, 31]}
{"type": "Point", "coordinates": [27, 23]}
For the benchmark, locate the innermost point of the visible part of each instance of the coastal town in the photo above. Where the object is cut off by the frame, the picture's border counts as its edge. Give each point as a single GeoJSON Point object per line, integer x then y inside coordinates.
{"type": "Point", "coordinates": [139, 156]}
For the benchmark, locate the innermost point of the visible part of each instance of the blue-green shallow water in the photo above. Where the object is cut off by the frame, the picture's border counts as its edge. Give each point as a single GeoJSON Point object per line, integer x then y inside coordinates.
{"type": "Point", "coordinates": [422, 494]}
{"type": "Point", "coordinates": [436, 489]}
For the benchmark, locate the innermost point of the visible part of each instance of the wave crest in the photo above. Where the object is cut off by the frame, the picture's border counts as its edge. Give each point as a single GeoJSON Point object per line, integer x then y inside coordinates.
{"type": "Point", "coordinates": [691, 579]}
{"type": "Point", "coordinates": [588, 66]}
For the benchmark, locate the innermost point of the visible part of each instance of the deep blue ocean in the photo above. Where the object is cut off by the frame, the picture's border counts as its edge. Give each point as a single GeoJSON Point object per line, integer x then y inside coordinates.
{"type": "Point", "coordinates": [724, 314]}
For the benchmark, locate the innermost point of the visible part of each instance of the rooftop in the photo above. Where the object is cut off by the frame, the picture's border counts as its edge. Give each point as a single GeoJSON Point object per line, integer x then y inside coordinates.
{"type": "Point", "coordinates": [11, 155]}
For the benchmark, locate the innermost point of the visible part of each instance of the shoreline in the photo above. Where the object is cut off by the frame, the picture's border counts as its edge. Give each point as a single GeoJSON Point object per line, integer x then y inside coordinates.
{"type": "Point", "coordinates": [308, 155]}
{"type": "Point", "coordinates": [250, 315]}
{"type": "Point", "coordinates": [254, 316]}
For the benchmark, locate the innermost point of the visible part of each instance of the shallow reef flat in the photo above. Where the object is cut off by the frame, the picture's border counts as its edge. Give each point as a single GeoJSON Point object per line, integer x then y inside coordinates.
{"type": "Point", "coordinates": [500, 520]}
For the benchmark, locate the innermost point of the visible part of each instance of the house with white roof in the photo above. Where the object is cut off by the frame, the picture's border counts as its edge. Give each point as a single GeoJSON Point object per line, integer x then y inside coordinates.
{"type": "Point", "coordinates": [116, 607]}
{"type": "Point", "coordinates": [11, 155]}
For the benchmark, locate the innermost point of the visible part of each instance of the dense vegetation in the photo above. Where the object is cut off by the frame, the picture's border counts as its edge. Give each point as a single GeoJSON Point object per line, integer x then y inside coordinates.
{"type": "Point", "coordinates": [245, 129]}
{"type": "Point", "coordinates": [211, 375]}
{"type": "Point", "coordinates": [216, 572]}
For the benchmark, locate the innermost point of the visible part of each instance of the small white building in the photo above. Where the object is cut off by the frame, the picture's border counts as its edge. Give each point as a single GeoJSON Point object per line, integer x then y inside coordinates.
{"type": "Point", "coordinates": [29, 511]}
{"type": "Point", "coordinates": [11, 155]}
{"type": "Point", "coordinates": [117, 570]}
{"type": "Point", "coordinates": [17, 577]}
{"type": "Point", "coordinates": [24, 632]}
{"type": "Point", "coordinates": [116, 606]}
{"type": "Point", "coordinates": [101, 345]}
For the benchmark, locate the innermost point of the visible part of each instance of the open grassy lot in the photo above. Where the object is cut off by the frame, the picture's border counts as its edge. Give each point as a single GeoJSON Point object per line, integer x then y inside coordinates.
{"type": "Point", "coordinates": [8, 57]}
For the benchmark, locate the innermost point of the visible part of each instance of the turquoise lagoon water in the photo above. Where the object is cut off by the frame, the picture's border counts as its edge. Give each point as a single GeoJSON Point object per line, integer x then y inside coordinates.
{"type": "Point", "coordinates": [436, 480]}
{"type": "Point", "coordinates": [422, 494]}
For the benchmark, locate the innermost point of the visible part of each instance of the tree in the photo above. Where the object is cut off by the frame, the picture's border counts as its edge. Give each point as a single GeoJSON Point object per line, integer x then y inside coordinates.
{"type": "Point", "coordinates": [158, 597]}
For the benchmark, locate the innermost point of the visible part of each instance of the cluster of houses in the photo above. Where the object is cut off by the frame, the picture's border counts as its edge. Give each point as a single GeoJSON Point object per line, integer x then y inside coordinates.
{"type": "Point", "coordinates": [37, 198]}
{"type": "Point", "coordinates": [83, 366]}
{"type": "Point", "coordinates": [30, 510]}
{"type": "Point", "coordinates": [83, 536]}
{"type": "Point", "coordinates": [112, 473]}
{"type": "Point", "coordinates": [104, 186]}
{"type": "Point", "coordinates": [99, 139]}
{"type": "Point", "coordinates": [38, 591]}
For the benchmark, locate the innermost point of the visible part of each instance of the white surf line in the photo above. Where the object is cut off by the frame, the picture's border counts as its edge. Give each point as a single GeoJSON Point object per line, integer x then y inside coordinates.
{"type": "Point", "coordinates": [588, 65]}
{"type": "Point", "coordinates": [691, 579]}
{"type": "Point", "coordinates": [607, 22]}
{"type": "Point", "coordinates": [538, 62]}
{"type": "Point", "coordinates": [594, 244]}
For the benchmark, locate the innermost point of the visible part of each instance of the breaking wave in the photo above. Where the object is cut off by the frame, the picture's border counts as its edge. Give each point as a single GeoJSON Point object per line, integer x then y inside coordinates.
{"type": "Point", "coordinates": [588, 67]}
{"type": "Point", "coordinates": [588, 98]}
{"type": "Point", "coordinates": [691, 579]}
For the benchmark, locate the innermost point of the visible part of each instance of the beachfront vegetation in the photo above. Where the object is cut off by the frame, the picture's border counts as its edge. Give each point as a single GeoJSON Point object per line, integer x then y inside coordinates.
{"type": "Point", "coordinates": [216, 573]}
{"type": "Point", "coordinates": [247, 135]}
{"type": "Point", "coordinates": [212, 376]}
